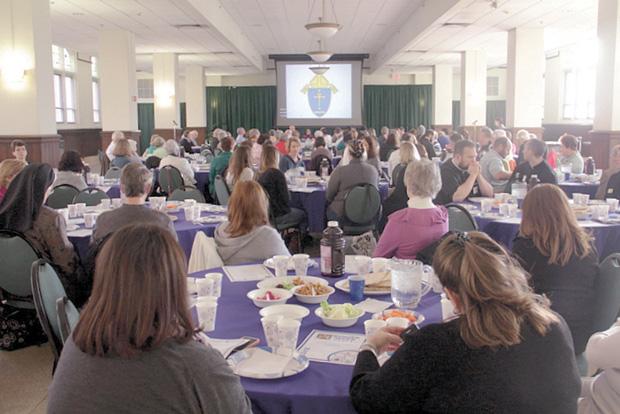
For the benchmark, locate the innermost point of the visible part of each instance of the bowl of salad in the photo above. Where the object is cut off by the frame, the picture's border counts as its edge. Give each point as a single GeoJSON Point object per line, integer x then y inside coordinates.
{"type": "Point", "coordinates": [267, 297]}
{"type": "Point", "coordinates": [338, 316]}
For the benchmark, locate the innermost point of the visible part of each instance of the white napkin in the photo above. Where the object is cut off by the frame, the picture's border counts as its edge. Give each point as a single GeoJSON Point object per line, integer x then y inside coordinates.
{"type": "Point", "coordinates": [303, 189]}
{"type": "Point", "coordinates": [262, 363]}
{"type": "Point", "coordinates": [75, 221]}
{"type": "Point", "coordinates": [373, 305]}
{"type": "Point", "coordinates": [80, 233]}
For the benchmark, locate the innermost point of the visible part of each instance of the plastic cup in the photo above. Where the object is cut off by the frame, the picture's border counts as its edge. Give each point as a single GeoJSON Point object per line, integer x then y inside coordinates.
{"type": "Point", "coordinates": [487, 205]}
{"type": "Point", "coordinates": [81, 208]}
{"type": "Point", "coordinates": [363, 264]}
{"type": "Point", "coordinates": [205, 287]}
{"type": "Point", "coordinates": [373, 325]}
{"type": "Point", "coordinates": [189, 202]}
{"type": "Point", "coordinates": [356, 287]}
{"type": "Point", "coordinates": [379, 264]}
{"type": "Point", "coordinates": [600, 212]}
{"type": "Point", "coordinates": [402, 323]}
{"type": "Point", "coordinates": [189, 213]}
{"type": "Point", "coordinates": [512, 210]}
{"type": "Point", "coordinates": [613, 204]}
{"type": "Point", "coordinates": [197, 211]}
{"type": "Point", "coordinates": [89, 220]}
{"type": "Point", "coordinates": [300, 262]}
{"type": "Point", "coordinates": [504, 209]}
{"type": "Point", "coordinates": [64, 212]}
{"type": "Point", "coordinates": [105, 203]}
{"type": "Point", "coordinates": [581, 199]}
{"type": "Point", "coordinates": [280, 264]}
{"type": "Point", "coordinates": [72, 210]}
{"type": "Point", "coordinates": [207, 311]}
{"type": "Point", "coordinates": [116, 202]}
{"type": "Point", "coordinates": [270, 329]}
{"type": "Point", "coordinates": [288, 333]}
{"type": "Point", "coordinates": [217, 283]}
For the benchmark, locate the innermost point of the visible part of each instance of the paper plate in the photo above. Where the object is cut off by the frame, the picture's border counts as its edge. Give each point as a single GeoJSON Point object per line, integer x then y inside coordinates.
{"type": "Point", "coordinates": [291, 266]}
{"type": "Point", "coordinates": [241, 364]}
{"type": "Point", "coordinates": [341, 286]}
{"type": "Point", "coordinates": [275, 281]}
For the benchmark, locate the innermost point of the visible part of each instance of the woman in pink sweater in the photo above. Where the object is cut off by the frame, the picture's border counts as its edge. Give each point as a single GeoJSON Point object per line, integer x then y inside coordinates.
{"type": "Point", "coordinates": [413, 228]}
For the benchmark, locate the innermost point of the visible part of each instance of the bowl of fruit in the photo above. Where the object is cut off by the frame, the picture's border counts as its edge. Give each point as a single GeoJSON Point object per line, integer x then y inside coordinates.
{"type": "Point", "coordinates": [267, 297]}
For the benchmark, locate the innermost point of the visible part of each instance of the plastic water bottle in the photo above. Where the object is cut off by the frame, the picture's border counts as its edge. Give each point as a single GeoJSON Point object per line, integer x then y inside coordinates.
{"type": "Point", "coordinates": [332, 251]}
{"type": "Point", "coordinates": [590, 167]}
{"type": "Point", "coordinates": [324, 168]}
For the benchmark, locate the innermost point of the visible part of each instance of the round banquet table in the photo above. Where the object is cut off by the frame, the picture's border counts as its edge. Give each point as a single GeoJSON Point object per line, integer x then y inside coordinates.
{"type": "Point", "coordinates": [322, 387]}
{"type": "Point", "coordinates": [504, 231]}
{"type": "Point", "coordinates": [571, 188]}
{"type": "Point", "coordinates": [312, 200]}
{"type": "Point", "coordinates": [186, 232]}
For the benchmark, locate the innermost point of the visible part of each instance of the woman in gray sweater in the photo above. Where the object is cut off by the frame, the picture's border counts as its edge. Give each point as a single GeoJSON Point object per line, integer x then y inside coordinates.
{"type": "Point", "coordinates": [247, 236]}
{"type": "Point", "coordinates": [134, 348]}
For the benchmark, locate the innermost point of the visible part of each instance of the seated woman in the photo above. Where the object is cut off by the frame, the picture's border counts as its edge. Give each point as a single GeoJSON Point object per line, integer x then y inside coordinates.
{"type": "Point", "coordinates": [123, 154]}
{"type": "Point", "coordinates": [505, 352]}
{"type": "Point", "coordinates": [9, 168]}
{"type": "Point", "coordinates": [23, 210]}
{"type": "Point", "coordinates": [174, 159]}
{"type": "Point", "coordinates": [560, 257]}
{"type": "Point", "coordinates": [247, 236]}
{"type": "Point", "coordinates": [601, 394]}
{"type": "Point", "coordinates": [372, 151]}
{"type": "Point", "coordinates": [117, 136]}
{"type": "Point", "coordinates": [320, 149]}
{"type": "Point", "coordinates": [292, 159]}
{"type": "Point", "coordinates": [614, 168]}
{"type": "Point", "coordinates": [239, 168]}
{"type": "Point", "coordinates": [274, 183]}
{"type": "Point", "coordinates": [407, 153]}
{"type": "Point", "coordinates": [156, 148]}
{"type": "Point", "coordinates": [345, 177]}
{"type": "Point", "coordinates": [136, 326]}
{"type": "Point", "coordinates": [70, 171]}
{"type": "Point", "coordinates": [420, 223]}
{"type": "Point", "coordinates": [391, 144]}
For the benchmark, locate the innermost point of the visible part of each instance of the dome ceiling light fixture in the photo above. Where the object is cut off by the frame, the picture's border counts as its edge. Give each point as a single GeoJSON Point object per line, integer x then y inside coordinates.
{"type": "Point", "coordinates": [320, 55]}
{"type": "Point", "coordinates": [323, 29]}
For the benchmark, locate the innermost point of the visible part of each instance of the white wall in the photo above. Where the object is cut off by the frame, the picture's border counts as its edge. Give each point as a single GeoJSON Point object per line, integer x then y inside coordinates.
{"type": "Point", "coordinates": [499, 72]}
{"type": "Point", "coordinates": [84, 98]}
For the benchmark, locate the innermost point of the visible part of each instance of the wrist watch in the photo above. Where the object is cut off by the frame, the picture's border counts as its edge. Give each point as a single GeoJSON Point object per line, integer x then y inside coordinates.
{"type": "Point", "coordinates": [368, 347]}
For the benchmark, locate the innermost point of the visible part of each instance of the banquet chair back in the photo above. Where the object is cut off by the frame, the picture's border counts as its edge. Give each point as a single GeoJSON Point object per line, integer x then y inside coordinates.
{"type": "Point", "coordinates": [170, 179]}
{"type": "Point", "coordinates": [613, 186]}
{"type": "Point", "coordinates": [16, 258]}
{"type": "Point", "coordinates": [190, 193]}
{"type": "Point", "coordinates": [607, 293]}
{"type": "Point", "coordinates": [62, 196]}
{"type": "Point", "coordinates": [68, 317]}
{"type": "Point", "coordinates": [113, 173]}
{"type": "Point", "coordinates": [221, 190]}
{"type": "Point", "coordinates": [46, 290]}
{"type": "Point", "coordinates": [459, 218]}
{"type": "Point", "coordinates": [152, 162]}
{"type": "Point", "coordinates": [91, 196]}
{"type": "Point", "coordinates": [362, 209]}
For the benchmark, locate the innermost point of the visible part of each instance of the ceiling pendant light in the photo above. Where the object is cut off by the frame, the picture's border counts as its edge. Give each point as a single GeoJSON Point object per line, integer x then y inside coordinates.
{"type": "Point", "coordinates": [322, 29]}
{"type": "Point", "coordinates": [320, 55]}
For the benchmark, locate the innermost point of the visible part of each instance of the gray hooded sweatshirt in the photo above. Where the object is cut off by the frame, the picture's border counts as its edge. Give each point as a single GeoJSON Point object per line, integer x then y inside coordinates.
{"type": "Point", "coordinates": [261, 243]}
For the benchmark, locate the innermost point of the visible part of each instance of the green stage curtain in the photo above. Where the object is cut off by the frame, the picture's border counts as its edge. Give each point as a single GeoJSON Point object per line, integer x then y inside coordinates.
{"type": "Point", "coordinates": [495, 109]}
{"type": "Point", "coordinates": [456, 114]}
{"type": "Point", "coordinates": [146, 123]}
{"type": "Point", "coordinates": [246, 106]}
{"type": "Point", "coordinates": [397, 106]}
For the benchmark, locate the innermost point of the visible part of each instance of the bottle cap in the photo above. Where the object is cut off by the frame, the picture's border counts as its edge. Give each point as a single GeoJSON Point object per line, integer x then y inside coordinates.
{"type": "Point", "coordinates": [332, 224]}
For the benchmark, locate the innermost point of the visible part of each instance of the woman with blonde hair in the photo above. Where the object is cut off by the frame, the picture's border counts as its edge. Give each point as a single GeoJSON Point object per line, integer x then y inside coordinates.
{"type": "Point", "coordinates": [505, 352]}
{"type": "Point", "coordinates": [239, 168]}
{"type": "Point", "coordinates": [247, 236]}
{"type": "Point", "coordinates": [123, 154]}
{"type": "Point", "coordinates": [136, 326]}
{"type": "Point", "coordinates": [9, 168]}
{"type": "Point", "coordinates": [156, 147]}
{"type": "Point", "coordinates": [559, 255]}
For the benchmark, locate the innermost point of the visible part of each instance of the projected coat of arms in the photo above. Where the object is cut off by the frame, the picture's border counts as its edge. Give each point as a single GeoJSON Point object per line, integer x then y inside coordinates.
{"type": "Point", "coordinates": [319, 92]}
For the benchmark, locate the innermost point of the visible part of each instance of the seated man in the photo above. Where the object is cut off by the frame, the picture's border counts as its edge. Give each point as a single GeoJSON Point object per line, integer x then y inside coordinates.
{"type": "Point", "coordinates": [460, 176]}
{"type": "Point", "coordinates": [494, 165]}
{"type": "Point", "coordinates": [19, 151]}
{"type": "Point", "coordinates": [136, 183]}
{"type": "Point", "coordinates": [535, 164]}
{"type": "Point", "coordinates": [220, 163]}
{"type": "Point", "coordinates": [569, 154]}
{"type": "Point", "coordinates": [189, 141]}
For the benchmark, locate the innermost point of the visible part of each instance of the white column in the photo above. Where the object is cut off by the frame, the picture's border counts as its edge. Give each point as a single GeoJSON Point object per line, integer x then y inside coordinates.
{"type": "Point", "coordinates": [195, 97]}
{"type": "Point", "coordinates": [84, 89]}
{"type": "Point", "coordinates": [525, 83]}
{"type": "Point", "coordinates": [119, 89]}
{"type": "Point", "coordinates": [165, 86]}
{"type": "Point", "coordinates": [473, 88]}
{"type": "Point", "coordinates": [26, 87]}
{"type": "Point", "coordinates": [442, 95]}
{"type": "Point", "coordinates": [607, 108]}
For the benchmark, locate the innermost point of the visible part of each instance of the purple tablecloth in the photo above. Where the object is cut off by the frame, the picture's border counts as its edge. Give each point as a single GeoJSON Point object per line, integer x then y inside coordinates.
{"type": "Point", "coordinates": [186, 232]}
{"type": "Point", "coordinates": [320, 386]}
{"type": "Point", "coordinates": [202, 181]}
{"type": "Point", "coordinates": [315, 204]}
{"type": "Point", "coordinates": [583, 188]}
{"type": "Point", "coordinates": [114, 191]}
{"type": "Point", "coordinates": [607, 236]}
